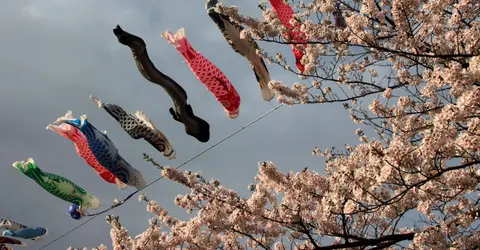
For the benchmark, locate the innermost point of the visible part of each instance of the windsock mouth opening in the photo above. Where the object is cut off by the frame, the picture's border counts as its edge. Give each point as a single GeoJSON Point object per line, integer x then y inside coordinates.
{"type": "Point", "coordinates": [168, 36]}
{"type": "Point", "coordinates": [67, 117]}
{"type": "Point", "coordinates": [21, 165]}
{"type": "Point", "coordinates": [96, 100]}
{"type": "Point", "coordinates": [118, 30]}
{"type": "Point", "coordinates": [50, 127]}
{"type": "Point", "coordinates": [127, 39]}
{"type": "Point", "coordinates": [58, 127]}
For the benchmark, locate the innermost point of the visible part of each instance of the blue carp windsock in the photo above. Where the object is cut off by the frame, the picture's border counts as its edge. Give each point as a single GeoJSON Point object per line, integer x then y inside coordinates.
{"type": "Point", "coordinates": [10, 225]}
{"type": "Point", "coordinates": [106, 152]}
{"type": "Point", "coordinates": [27, 233]}
{"type": "Point", "coordinates": [245, 46]}
{"type": "Point", "coordinates": [83, 150]}
{"type": "Point", "coordinates": [138, 126]}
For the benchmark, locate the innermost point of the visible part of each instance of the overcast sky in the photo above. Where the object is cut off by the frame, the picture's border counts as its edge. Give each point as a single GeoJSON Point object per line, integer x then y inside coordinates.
{"type": "Point", "coordinates": [55, 53]}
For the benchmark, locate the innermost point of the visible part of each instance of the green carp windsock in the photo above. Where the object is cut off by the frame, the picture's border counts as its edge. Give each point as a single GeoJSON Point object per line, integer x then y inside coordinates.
{"type": "Point", "coordinates": [57, 185]}
{"type": "Point", "coordinates": [138, 126]}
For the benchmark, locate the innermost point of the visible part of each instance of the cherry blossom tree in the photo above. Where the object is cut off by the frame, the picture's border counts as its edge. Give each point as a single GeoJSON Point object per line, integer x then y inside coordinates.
{"type": "Point", "coordinates": [408, 72]}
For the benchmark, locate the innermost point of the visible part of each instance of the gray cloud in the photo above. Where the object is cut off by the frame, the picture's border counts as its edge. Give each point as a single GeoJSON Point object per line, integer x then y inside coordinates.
{"type": "Point", "coordinates": [54, 54]}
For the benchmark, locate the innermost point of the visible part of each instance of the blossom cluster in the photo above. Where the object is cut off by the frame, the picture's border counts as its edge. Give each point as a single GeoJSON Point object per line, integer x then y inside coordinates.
{"type": "Point", "coordinates": [417, 65]}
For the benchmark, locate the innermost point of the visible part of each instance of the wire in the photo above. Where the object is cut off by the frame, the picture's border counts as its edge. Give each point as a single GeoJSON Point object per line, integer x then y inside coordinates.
{"type": "Point", "coordinates": [95, 215]}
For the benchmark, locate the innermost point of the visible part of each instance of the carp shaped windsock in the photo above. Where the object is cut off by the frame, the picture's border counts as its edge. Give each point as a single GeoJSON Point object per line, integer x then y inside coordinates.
{"type": "Point", "coordinates": [5, 247]}
{"type": "Point", "coordinates": [57, 185]}
{"type": "Point", "coordinates": [338, 16]}
{"type": "Point", "coordinates": [83, 150]}
{"type": "Point", "coordinates": [285, 14]}
{"type": "Point", "coordinates": [7, 224]}
{"type": "Point", "coordinates": [7, 240]}
{"type": "Point", "coordinates": [205, 71]}
{"type": "Point", "coordinates": [246, 47]}
{"type": "Point", "coordinates": [138, 126]}
{"type": "Point", "coordinates": [31, 233]}
{"type": "Point", "coordinates": [181, 111]}
{"type": "Point", "coordinates": [105, 151]}
{"type": "Point", "coordinates": [10, 225]}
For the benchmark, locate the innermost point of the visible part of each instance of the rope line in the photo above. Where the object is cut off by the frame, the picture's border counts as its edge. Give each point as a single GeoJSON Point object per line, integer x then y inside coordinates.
{"type": "Point", "coordinates": [95, 215]}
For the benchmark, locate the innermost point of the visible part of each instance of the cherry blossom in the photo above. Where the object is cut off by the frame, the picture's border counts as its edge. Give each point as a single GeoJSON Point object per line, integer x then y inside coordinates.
{"type": "Point", "coordinates": [408, 73]}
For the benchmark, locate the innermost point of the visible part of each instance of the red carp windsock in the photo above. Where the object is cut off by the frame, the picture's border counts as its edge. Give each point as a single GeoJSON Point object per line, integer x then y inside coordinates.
{"type": "Point", "coordinates": [211, 76]}
{"type": "Point", "coordinates": [285, 14]}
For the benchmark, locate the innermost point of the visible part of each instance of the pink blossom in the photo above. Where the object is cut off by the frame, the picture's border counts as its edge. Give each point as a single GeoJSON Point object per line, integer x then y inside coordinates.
{"type": "Point", "coordinates": [416, 163]}
{"type": "Point", "coordinates": [387, 93]}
